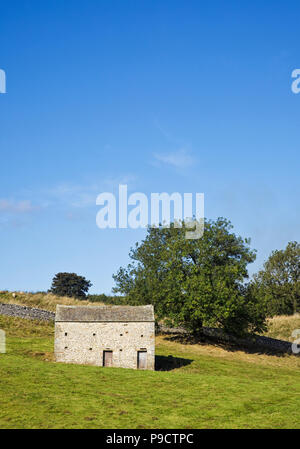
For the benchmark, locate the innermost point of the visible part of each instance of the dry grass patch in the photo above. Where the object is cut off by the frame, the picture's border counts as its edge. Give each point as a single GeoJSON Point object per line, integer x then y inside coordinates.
{"type": "Point", "coordinates": [281, 327]}
{"type": "Point", "coordinates": [45, 301]}
{"type": "Point", "coordinates": [45, 356]}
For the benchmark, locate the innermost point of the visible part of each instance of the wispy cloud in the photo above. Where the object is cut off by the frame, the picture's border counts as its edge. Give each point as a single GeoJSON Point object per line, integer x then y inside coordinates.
{"type": "Point", "coordinates": [16, 207]}
{"type": "Point", "coordinates": [82, 195]}
{"type": "Point", "coordinates": [178, 159]}
{"type": "Point", "coordinates": [69, 199]}
{"type": "Point", "coordinates": [15, 213]}
{"type": "Point", "coordinates": [70, 194]}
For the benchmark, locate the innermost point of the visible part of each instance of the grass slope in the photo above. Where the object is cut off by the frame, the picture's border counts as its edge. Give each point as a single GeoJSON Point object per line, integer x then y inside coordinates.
{"type": "Point", "coordinates": [281, 327]}
{"type": "Point", "coordinates": [41, 300]}
{"type": "Point", "coordinates": [201, 387]}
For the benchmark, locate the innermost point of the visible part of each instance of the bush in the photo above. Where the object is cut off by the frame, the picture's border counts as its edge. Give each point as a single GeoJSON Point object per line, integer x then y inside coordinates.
{"type": "Point", "coordinates": [106, 299]}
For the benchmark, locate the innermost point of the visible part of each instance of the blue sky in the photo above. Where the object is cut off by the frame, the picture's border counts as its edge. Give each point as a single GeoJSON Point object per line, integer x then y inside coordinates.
{"type": "Point", "coordinates": [184, 96]}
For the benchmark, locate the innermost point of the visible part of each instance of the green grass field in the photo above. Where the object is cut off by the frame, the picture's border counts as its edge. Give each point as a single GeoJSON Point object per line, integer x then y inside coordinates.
{"type": "Point", "coordinates": [200, 386]}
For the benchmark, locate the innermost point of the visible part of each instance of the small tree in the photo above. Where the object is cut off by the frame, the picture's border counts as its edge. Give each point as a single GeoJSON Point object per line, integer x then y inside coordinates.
{"type": "Point", "coordinates": [193, 283]}
{"type": "Point", "coordinates": [70, 284]}
{"type": "Point", "coordinates": [278, 284]}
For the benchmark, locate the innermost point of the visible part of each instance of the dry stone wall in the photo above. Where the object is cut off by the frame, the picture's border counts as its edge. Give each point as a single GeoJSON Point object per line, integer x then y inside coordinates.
{"type": "Point", "coordinates": [26, 312]}
{"type": "Point", "coordinates": [256, 341]}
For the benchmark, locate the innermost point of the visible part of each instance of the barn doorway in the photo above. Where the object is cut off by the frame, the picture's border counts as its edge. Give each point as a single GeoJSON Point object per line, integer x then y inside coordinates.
{"type": "Point", "coordinates": [107, 358]}
{"type": "Point", "coordinates": [142, 360]}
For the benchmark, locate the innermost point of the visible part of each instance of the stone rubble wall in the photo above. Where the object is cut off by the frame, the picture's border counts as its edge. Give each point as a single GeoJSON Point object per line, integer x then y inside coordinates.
{"type": "Point", "coordinates": [256, 341]}
{"type": "Point", "coordinates": [26, 312]}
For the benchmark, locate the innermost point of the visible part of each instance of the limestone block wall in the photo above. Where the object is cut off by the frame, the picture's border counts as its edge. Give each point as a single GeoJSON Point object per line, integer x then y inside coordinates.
{"type": "Point", "coordinates": [26, 312]}
{"type": "Point", "coordinates": [84, 342]}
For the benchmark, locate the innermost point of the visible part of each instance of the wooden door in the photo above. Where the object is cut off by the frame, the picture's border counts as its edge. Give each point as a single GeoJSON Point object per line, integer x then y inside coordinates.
{"type": "Point", "coordinates": [142, 360]}
{"type": "Point", "coordinates": [107, 358]}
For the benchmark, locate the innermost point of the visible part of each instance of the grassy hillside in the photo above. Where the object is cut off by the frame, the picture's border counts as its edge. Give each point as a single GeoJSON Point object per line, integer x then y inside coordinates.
{"type": "Point", "coordinates": [199, 386]}
{"type": "Point", "coordinates": [45, 301]}
{"type": "Point", "coordinates": [278, 327]}
{"type": "Point", "coordinates": [281, 327]}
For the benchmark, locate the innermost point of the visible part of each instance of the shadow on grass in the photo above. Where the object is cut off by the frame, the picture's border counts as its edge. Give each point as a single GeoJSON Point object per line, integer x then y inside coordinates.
{"type": "Point", "coordinates": [168, 363]}
{"type": "Point", "coordinates": [227, 346]}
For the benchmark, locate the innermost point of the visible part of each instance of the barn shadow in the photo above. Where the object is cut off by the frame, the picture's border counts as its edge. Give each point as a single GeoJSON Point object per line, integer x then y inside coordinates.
{"type": "Point", "coordinates": [168, 363]}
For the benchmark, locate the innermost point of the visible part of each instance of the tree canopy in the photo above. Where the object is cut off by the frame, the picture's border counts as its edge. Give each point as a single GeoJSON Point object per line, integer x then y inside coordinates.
{"type": "Point", "coordinates": [278, 284]}
{"type": "Point", "coordinates": [193, 282]}
{"type": "Point", "coordinates": [70, 284]}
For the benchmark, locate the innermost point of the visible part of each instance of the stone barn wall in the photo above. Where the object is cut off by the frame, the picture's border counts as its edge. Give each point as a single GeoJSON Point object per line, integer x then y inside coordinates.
{"type": "Point", "coordinates": [84, 342]}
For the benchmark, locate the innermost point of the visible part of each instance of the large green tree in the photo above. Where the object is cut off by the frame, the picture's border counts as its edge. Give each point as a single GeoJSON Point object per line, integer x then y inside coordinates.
{"type": "Point", "coordinates": [278, 284]}
{"type": "Point", "coordinates": [70, 284]}
{"type": "Point", "coordinates": [193, 282]}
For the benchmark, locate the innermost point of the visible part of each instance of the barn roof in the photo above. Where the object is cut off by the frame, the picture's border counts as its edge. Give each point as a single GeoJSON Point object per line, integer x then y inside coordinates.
{"type": "Point", "coordinates": [104, 313]}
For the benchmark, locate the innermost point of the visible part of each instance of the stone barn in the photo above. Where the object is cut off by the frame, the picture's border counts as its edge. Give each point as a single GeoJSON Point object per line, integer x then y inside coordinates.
{"type": "Point", "coordinates": [119, 336]}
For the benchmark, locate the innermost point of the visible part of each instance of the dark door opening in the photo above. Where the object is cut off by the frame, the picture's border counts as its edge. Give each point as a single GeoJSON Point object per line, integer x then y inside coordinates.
{"type": "Point", "coordinates": [107, 358]}
{"type": "Point", "coordinates": [142, 359]}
